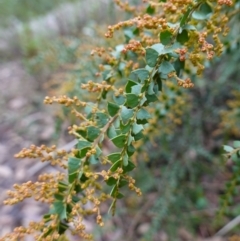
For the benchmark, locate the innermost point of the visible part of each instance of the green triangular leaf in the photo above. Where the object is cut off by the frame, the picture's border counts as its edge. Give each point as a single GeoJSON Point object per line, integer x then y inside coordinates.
{"type": "Point", "coordinates": [122, 183]}
{"type": "Point", "coordinates": [115, 166]}
{"type": "Point", "coordinates": [159, 48]}
{"type": "Point", "coordinates": [132, 100]}
{"type": "Point", "coordinates": [227, 148]}
{"type": "Point", "coordinates": [119, 141]}
{"type": "Point", "coordinates": [126, 114]}
{"type": "Point", "coordinates": [112, 109]}
{"type": "Point", "coordinates": [130, 140]}
{"type": "Point", "coordinates": [125, 160]}
{"type": "Point", "coordinates": [111, 132]}
{"type": "Point", "coordinates": [150, 89]}
{"type": "Point", "coordinates": [73, 167]}
{"type": "Point", "coordinates": [58, 197]}
{"type": "Point", "coordinates": [158, 81]}
{"type": "Point", "coordinates": [236, 158]}
{"type": "Point", "coordinates": [236, 144]}
{"type": "Point", "coordinates": [136, 89]}
{"type": "Point", "coordinates": [114, 191]}
{"type": "Point", "coordinates": [151, 57]}
{"type": "Point", "coordinates": [73, 164]}
{"type": "Point", "coordinates": [62, 228]}
{"type": "Point", "coordinates": [119, 195]}
{"type": "Point", "coordinates": [124, 128]}
{"type": "Point", "coordinates": [111, 181]}
{"type": "Point", "coordinates": [138, 136]}
{"type": "Point", "coordinates": [178, 66]}
{"type": "Point", "coordinates": [114, 157]}
{"type": "Point", "coordinates": [189, 27]}
{"type": "Point", "coordinates": [151, 98]}
{"type": "Point", "coordinates": [93, 159]}
{"type": "Point", "coordinates": [183, 36]}
{"type": "Point", "coordinates": [166, 67]}
{"type": "Point", "coordinates": [98, 151]}
{"type": "Point", "coordinates": [137, 128]}
{"type": "Point", "coordinates": [142, 74]}
{"type": "Point", "coordinates": [165, 37]}
{"type": "Point", "coordinates": [102, 119]}
{"type": "Point", "coordinates": [60, 208]}
{"type": "Point", "coordinates": [129, 86]}
{"type": "Point", "coordinates": [150, 10]}
{"type": "Point", "coordinates": [62, 187]}
{"type": "Point", "coordinates": [119, 100]}
{"type": "Point", "coordinates": [143, 114]}
{"type": "Point", "coordinates": [92, 133]}
{"type": "Point", "coordinates": [203, 12]}
{"type": "Point", "coordinates": [131, 149]}
{"type": "Point", "coordinates": [129, 167]}
{"type": "Point", "coordinates": [82, 144]}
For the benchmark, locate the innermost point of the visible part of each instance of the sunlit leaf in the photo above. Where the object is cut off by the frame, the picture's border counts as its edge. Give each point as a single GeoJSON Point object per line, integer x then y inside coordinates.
{"type": "Point", "coordinates": [151, 57]}
{"type": "Point", "coordinates": [166, 67]}
{"type": "Point", "coordinates": [115, 166]}
{"type": "Point", "coordinates": [119, 141]}
{"type": "Point", "coordinates": [126, 114]}
{"type": "Point", "coordinates": [227, 148]}
{"type": "Point", "coordinates": [203, 12]}
{"type": "Point", "coordinates": [142, 74]}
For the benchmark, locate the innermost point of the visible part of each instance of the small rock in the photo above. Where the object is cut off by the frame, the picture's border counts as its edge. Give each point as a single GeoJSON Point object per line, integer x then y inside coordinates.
{"type": "Point", "coordinates": [143, 228]}
{"type": "Point", "coordinates": [17, 103]}
{"type": "Point", "coordinates": [5, 172]}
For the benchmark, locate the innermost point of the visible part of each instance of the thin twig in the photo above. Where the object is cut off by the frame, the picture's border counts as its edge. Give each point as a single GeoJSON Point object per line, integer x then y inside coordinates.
{"type": "Point", "coordinates": [228, 227]}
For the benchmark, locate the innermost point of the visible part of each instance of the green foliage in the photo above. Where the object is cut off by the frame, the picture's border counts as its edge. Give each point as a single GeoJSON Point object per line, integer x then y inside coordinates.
{"type": "Point", "coordinates": [203, 12]}
{"type": "Point", "coordinates": [24, 10]}
{"type": "Point", "coordinates": [133, 106]}
{"type": "Point", "coordinates": [165, 37]}
{"type": "Point", "coordinates": [232, 153]}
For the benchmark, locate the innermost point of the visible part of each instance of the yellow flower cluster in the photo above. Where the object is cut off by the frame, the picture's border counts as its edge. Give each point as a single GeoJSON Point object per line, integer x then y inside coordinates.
{"type": "Point", "coordinates": [64, 100]}
{"type": "Point", "coordinates": [44, 153]}
{"type": "Point", "coordinates": [96, 87]}
{"type": "Point", "coordinates": [43, 190]}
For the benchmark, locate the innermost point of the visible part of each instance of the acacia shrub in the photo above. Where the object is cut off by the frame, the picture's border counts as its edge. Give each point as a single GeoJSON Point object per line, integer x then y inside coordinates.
{"type": "Point", "coordinates": [130, 90]}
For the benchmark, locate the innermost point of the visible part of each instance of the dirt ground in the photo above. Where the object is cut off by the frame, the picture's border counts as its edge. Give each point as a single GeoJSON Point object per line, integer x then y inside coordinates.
{"type": "Point", "coordinates": [22, 122]}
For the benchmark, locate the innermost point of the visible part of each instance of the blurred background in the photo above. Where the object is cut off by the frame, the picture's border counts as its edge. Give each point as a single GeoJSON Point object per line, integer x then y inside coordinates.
{"type": "Point", "coordinates": [45, 50]}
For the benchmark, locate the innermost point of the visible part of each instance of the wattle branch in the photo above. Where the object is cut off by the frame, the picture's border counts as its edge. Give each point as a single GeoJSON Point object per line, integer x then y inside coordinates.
{"type": "Point", "coordinates": [169, 41]}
